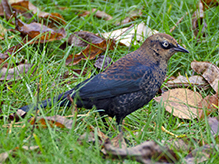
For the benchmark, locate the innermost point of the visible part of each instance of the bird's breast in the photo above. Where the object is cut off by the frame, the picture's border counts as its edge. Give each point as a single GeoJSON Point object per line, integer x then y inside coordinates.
{"type": "Point", "coordinates": [152, 81]}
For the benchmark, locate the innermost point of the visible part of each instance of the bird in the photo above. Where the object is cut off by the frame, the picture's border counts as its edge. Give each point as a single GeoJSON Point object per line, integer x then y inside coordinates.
{"type": "Point", "coordinates": [126, 85]}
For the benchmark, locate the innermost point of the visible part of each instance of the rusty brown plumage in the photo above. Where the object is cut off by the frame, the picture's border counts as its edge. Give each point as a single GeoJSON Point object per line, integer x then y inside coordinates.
{"type": "Point", "coordinates": [128, 84]}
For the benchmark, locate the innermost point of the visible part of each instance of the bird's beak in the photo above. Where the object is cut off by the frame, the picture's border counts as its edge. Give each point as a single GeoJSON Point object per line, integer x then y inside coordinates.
{"type": "Point", "coordinates": [180, 49]}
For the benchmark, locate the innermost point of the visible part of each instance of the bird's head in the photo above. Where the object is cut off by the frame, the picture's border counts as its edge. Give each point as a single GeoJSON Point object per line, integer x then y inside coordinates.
{"type": "Point", "coordinates": [163, 46]}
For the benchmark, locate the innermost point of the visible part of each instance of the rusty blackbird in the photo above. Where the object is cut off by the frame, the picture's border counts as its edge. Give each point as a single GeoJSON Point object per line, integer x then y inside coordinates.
{"type": "Point", "coordinates": [128, 84]}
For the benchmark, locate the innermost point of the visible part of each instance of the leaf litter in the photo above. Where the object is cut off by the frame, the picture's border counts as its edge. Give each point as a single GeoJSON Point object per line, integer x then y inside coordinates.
{"type": "Point", "coordinates": [184, 99]}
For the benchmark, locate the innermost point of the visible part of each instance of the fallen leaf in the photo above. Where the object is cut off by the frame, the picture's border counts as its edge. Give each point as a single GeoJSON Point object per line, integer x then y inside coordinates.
{"type": "Point", "coordinates": [100, 134]}
{"type": "Point", "coordinates": [210, 2]}
{"type": "Point", "coordinates": [4, 156]}
{"type": "Point", "coordinates": [16, 72]}
{"type": "Point", "coordinates": [58, 121]}
{"type": "Point", "coordinates": [117, 142]}
{"type": "Point", "coordinates": [7, 9]}
{"type": "Point", "coordinates": [209, 71]}
{"type": "Point", "coordinates": [102, 62]}
{"type": "Point", "coordinates": [200, 154]}
{"type": "Point", "coordinates": [182, 81]}
{"type": "Point", "coordinates": [17, 115]}
{"type": "Point", "coordinates": [181, 102]}
{"type": "Point", "coordinates": [83, 38]}
{"type": "Point", "coordinates": [97, 46]}
{"type": "Point", "coordinates": [89, 137]}
{"type": "Point", "coordinates": [140, 31]}
{"type": "Point", "coordinates": [24, 6]}
{"type": "Point", "coordinates": [98, 14]}
{"type": "Point", "coordinates": [214, 124]}
{"type": "Point", "coordinates": [33, 30]}
{"type": "Point", "coordinates": [208, 104]}
{"type": "Point", "coordinates": [11, 50]}
{"type": "Point", "coordinates": [92, 50]}
{"type": "Point", "coordinates": [178, 145]}
{"type": "Point", "coordinates": [146, 152]}
{"type": "Point", "coordinates": [2, 13]}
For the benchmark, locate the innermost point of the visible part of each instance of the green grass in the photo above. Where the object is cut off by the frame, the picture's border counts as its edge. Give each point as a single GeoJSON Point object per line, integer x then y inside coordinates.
{"type": "Point", "coordinates": [61, 145]}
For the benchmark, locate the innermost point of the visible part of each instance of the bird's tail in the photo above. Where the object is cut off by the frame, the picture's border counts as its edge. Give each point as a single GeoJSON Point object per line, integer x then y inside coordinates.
{"type": "Point", "coordinates": [60, 100]}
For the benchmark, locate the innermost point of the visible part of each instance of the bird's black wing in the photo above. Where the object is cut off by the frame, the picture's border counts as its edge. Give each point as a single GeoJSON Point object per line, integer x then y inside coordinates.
{"type": "Point", "coordinates": [113, 83]}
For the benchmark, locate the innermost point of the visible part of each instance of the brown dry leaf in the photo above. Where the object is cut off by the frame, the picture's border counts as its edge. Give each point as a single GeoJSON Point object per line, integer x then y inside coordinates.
{"type": "Point", "coordinates": [7, 9]}
{"type": "Point", "coordinates": [98, 14]}
{"type": "Point", "coordinates": [179, 145]}
{"type": "Point", "coordinates": [210, 2]}
{"type": "Point", "coordinates": [209, 103]}
{"type": "Point", "coordinates": [91, 51]}
{"type": "Point", "coordinates": [141, 31]}
{"type": "Point", "coordinates": [96, 47]}
{"type": "Point", "coordinates": [58, 121]}
{"type": "Point", "coordinates": [100, 134]}
{"type": "Point", "coordinates": [24, 6]}
{"type": "Point", "coordinates": [143, 153]}
{"type": "Point", "coordinates": [214, 124]}
{"type": "Point", "coordinates": [181, 102]}
{"type": "Point", "coordinates": [200, 154]}
{"type": "Point", "coordinates": [16, 116]}
{"type": "Point", "coordinates": [2, 13]}
{"type": "Point", "coordinates": [15, 73]}
{"type": "Point", "coordinates": [209, 71]}
{"type": "Point", "coordinates": [131, 17]}
{"type": "Point", "coordinates": [42, 33]}
{"type": "Point", "coordinates": [102, 62]}
{"type": "Point", "coordinates": [117, 142]}
{"type": "Point", "coordinates": [11, 50]}
{"type": "Point", "coordinates": [83, 38]}
{"type": "Point", "coordinates": [33, 30]}
{"type": "Point", "coordinates": [182, 81]}
{"type": "Point", "coordinates": [197, 16]}
{"type": "Point", "coordinates": [89, 137]}
{"type": "Point", "coordinates": [4, 156]}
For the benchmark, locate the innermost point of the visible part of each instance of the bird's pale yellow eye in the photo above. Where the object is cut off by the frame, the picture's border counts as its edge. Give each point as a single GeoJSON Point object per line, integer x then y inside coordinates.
{"type": "Point", "coordinates": [165, 44]}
